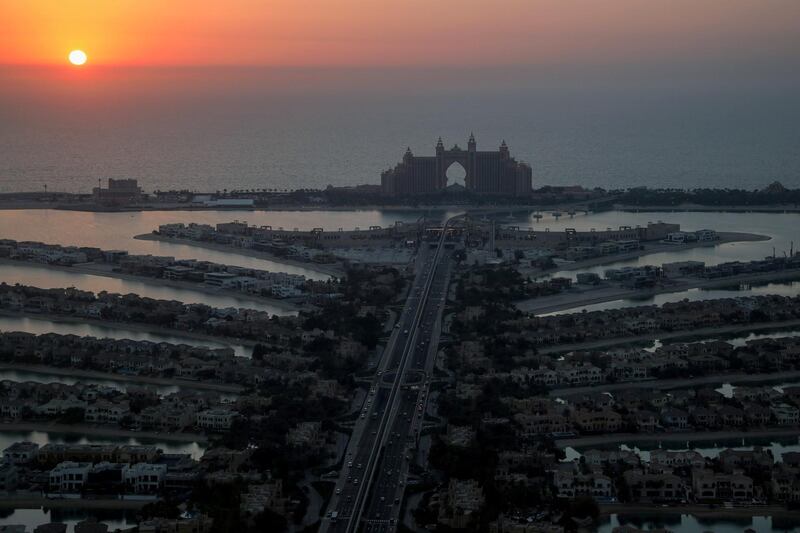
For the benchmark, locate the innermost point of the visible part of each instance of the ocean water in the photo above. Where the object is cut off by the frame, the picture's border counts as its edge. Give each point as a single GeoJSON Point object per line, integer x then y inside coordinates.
{"type": "Point", "coordinates": [213, 129]}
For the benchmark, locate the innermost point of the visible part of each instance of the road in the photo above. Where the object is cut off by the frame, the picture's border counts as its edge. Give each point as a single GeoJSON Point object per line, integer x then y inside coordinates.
{"type": "Point", "coordinates": [375, 466]}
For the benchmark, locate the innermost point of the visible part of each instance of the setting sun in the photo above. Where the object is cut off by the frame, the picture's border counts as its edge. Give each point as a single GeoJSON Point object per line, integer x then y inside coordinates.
{"type": "Point", "coordinates": [77, 57]}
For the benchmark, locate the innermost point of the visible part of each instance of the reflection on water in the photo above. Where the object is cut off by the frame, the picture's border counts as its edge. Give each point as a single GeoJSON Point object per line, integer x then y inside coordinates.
{"type": "Point", "coordinates": [35, 517]}
{"type": "Point", "coordinates": [735, 339]}
{"type": "Point", "coordinates": [116, 230]}
{"type": "Point", "coordinates": [22, 376]}
{"type": "Point", "coordinates": [7, 438]}
{"type": "Point", "coordinates": [45, 278]}
{"type": "Point", "coordinates": [709, 449]}
{"type": "Point", "coordinates": [40, 326]}
{"type": "Point", "coordinates": [779, 226]}
{"type": "Point", "coordinates": [790, 288]}
{"type": "Point", "coordinates": [679, 523]}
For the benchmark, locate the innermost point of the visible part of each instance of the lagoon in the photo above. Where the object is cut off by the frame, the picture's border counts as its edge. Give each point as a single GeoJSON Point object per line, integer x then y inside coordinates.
{"type": "Point", "coordinates": [7, 438]}
{"type": "Point", "coordinates": [112, 331]}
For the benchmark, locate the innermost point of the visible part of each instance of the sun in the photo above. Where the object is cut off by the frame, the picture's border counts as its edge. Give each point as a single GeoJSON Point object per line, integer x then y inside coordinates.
{"type": "Point", "coordinates": [77, 57]}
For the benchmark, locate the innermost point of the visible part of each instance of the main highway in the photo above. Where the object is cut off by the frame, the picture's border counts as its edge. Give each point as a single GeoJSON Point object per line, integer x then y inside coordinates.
{"type": "Point", "coordinates": [375, 465]}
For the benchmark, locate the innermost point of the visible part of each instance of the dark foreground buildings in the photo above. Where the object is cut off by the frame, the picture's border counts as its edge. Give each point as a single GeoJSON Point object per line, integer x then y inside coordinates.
{"type": "Point", "coordinates": [487, 172]}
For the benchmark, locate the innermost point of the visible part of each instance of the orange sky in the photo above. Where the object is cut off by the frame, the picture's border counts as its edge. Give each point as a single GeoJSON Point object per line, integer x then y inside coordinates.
{"type": "Point", "coordinates": [395, 32]}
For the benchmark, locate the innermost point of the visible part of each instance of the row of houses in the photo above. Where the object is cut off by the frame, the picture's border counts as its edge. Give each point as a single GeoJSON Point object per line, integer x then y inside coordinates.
{"type": "Point", "coordinates": [226, 277]}
{"type": "Point", "coordinates": [681, 476]}
{"type": "Point", "coordinates": [649, 411]}
{"type": "Point", "coordinates": [634, 321]}
{"type": "Point", "coordinates": [316, 245]}
{"type": "Point", "coordinates": [101, 405]}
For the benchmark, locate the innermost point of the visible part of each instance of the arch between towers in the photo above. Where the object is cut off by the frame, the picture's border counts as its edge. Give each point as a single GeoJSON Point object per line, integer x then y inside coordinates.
{"type": "Point", "coordinates": [455, 158]}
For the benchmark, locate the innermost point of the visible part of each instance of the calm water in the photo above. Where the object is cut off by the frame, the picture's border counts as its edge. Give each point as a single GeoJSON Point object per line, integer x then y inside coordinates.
{"type": "Point", "coordinates": [784, 289]}
{"type": "Point", "coordinates": [7, 438]}
{"type": "Point", "coordinates": [44, 377]}
{"type": "Point", "coordinates": [34, 517]}
{"type": "Point", "coordinates": [679, 523]}
{"type": "Point", "coordinates": [39, 326]}
{"type": "Point", "coordinates": [41, 276]}
{"type": "Point", "coordinates": [289, 128]}
{"type": "Point", "coordinates": [781, 227]}
{"type": "Point", "coordinates": [704, 448]}
{"type": "Point", "coordinates": [116, 230]}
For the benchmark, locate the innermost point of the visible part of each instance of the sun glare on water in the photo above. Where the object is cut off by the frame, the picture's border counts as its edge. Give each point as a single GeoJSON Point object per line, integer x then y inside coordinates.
{"type": "Point", "coordinates": [77, 57]}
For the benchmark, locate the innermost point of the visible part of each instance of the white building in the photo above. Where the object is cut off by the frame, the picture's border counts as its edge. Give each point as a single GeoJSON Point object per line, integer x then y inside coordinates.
{"type": "Point", "coordinates": [69, 476]}
{"type": "Point", "coordinates": [145, 478]}
{"type": "Point", "coordinates": [216, 419]}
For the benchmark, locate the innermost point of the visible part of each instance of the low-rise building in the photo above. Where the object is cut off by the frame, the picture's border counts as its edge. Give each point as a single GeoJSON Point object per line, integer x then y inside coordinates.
{"type": "Point", "coordinates": [216, 419]}
{"type": "Point", "coordinates": [20, 453]}
{"type": "Point", "coordinates": [708, 486]}
{"type": "Point", "coordinates": [654, 487]}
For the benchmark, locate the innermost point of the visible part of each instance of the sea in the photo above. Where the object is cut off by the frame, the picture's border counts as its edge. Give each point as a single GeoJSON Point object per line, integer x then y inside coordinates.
{"type": "Point", "coordinates": [209, 129]}
{"type": "Point", "coordinates": [213, 129]}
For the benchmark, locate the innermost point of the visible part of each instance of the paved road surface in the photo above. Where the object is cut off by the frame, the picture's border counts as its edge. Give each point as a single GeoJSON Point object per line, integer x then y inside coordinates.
{"type": "Point", "coordinates": [375, 466]}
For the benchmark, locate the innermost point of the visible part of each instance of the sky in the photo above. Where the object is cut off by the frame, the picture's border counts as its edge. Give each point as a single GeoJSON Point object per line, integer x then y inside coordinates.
{"type": "Point", "coordinates": [392, 33]}
{"type": "Point", "coordinates": [194, 93]}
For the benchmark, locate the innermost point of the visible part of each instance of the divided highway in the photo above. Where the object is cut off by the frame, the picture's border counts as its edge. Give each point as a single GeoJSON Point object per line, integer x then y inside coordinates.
{"type": "Point", "coordinates": [373, 475]}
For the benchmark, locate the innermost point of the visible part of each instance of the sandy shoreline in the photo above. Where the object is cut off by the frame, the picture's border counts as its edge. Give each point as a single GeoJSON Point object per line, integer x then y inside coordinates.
{"type": "Point", "coordinates": [326, 270]}
{"type": "Point", "coordinates": [122, 378]}
{"type": "Point", "coordinates": [566, 301]}
{"type": "Point", "coordinates": [158, 282]}
{"type": "Point", "coordinates": [101, 431]}
{"type": "Point", "coordinates": [142, 328]}
{"type": "Point", "coordinates": [672, 335]}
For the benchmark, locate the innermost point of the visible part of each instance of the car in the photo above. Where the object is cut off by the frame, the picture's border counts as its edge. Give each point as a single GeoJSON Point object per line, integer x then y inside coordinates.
{"type": "Point", "coordinates": [363, 415]}
{"type": "Point", "coordinates": [355, 481]}
{"type": "Point", "coordinates": [350, 464]}
{"type": "Point", "coordinates": [338, 491]}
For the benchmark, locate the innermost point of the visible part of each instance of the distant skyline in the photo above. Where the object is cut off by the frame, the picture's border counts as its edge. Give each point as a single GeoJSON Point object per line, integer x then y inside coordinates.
{"type": "Point", "coordinates": [368, 33]}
